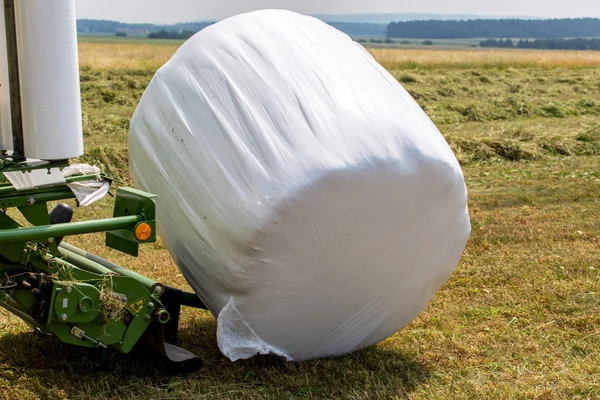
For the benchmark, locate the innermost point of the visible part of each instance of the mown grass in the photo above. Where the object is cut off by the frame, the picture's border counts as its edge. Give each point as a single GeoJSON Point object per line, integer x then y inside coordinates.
{"type": "Point", "coordinates": [520, 318]}
{"type": "Point", "coordinates": [484, 58]}
{"type": "Point", "coordinates": [151, 54]}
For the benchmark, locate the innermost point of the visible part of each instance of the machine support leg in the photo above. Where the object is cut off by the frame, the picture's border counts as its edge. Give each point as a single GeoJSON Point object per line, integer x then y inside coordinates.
{"type": "Point", "coordinates": [13, 77]}
{"type": "Point", "coordinates": [173, 299]}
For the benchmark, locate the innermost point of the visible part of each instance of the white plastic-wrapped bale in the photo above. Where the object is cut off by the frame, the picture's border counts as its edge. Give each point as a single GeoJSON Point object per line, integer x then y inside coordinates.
{"type": "Point", "coordinates": [305, 196]}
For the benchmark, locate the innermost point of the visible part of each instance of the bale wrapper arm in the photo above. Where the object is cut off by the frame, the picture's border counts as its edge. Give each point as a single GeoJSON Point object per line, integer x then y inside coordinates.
{"type": "Point", "coordinates": [53, 286]}
{"type": "Point", "coordinates": [79, 297]}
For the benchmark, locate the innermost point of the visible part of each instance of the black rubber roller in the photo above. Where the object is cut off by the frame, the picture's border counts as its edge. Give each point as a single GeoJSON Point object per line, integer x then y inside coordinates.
{"type": "Point", "coordinates": [61, 214]}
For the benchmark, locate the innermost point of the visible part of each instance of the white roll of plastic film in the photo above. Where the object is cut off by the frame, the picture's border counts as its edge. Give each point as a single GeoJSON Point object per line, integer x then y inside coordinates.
{"type": "Point", "coordinates": [49, 76]}
{"type": "Point", "coordinates": [5, 124]}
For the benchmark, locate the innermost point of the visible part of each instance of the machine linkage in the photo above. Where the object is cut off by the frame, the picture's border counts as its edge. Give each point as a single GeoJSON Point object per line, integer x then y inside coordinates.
{"type": "Point", "coordinates": [81, 298]}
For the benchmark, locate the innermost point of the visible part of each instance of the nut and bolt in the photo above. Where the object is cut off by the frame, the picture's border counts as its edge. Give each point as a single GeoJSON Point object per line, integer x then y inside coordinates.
{"type": "Point", "coordinates": [68, 289]}
{"type": "Point", "coordinates": [147, 317]}
{"type": "Point", "coordinates": [158, 290]}
{"type": "Point", "coordinates": [63, 317]}
{"type": "Point", "coordinates": [150, 305]}
{"type": "Point", "coordinates": [30, 201]}
{"type": "Point", "coordinates": [50, 240]}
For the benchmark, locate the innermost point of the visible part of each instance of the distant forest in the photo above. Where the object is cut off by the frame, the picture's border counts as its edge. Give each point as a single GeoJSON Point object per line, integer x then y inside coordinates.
{"type": "Point", "coordinates": [551, 44]}
{"type": "Point", "coordinates": [431, 29]}
{"type": "Point", "coordinates": [360, 29]}
{"type": "Point", "coordinates": [92, 26]}
{"type": "Point", "coordinates": [496, 28]}
{"type": "Point", "coordinates": [171, 35]}
{"type": "Point", "coordinates": [108, 26]}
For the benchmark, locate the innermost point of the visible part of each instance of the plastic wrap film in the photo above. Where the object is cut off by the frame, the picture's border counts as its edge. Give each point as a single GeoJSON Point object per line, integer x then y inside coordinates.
{"type": "Point", "coordinates": [6, 141]}
{"type": "Point", "coordinates": [87, 192]}
{"type": "Point", "coordinates": [49, 77]}
{"type": "Point", "coordinates": [305, 196]}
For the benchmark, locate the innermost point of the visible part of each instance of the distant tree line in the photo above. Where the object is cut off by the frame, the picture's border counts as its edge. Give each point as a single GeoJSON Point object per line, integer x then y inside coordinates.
{"type": "Point", "coordinates": [359, 29]}
{"type": "Point", "coordinates": [560, 44]}
{"type": "Point", "coordinates": [108, 26]}
{"type": "Point", "coordinates": [171, 35]}
{"type": "Point", "coordinates": [495, 28]}
{"type": "Point", "coordinates": [386, 40]}
{"type": "Point", "coordinates": [391, 41]}
{"type": "Point", "coordinates": [349, 28]}
{"type": "Point", "coordinates": [507, 43]}
{"type": "Point", "coordinates": [550, 44]}
{"type": "Point", "coordinates": [431, 29]}
{"type": "Point", "coordinates": [99, 26]}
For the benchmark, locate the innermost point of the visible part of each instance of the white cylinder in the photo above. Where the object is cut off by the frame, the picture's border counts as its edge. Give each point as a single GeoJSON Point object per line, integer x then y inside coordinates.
{"type": "Point", "coordinates": [49, 76]}
{"type": "Point", "coordinates": [313, 205]}
{"type": "Point", "coordinates": [6, 142]}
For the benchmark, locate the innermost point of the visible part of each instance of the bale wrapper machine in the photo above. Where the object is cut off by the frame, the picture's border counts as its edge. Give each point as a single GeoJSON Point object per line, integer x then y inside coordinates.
{"type": "Point", "coordinates": [55, 287]}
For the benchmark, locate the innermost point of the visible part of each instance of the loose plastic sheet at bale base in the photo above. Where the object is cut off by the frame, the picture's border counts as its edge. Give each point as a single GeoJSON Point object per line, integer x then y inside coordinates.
{"type": "Point", "coordinates": [305, 196]}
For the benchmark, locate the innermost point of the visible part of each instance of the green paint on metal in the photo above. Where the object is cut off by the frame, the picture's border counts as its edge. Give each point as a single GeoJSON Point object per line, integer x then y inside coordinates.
{"type": "Point", "coordinates": [69, 229]}
{"type": "Point", "coordinates": [81, 298]}
{"type": "Point", "coordinates": [131, 201]}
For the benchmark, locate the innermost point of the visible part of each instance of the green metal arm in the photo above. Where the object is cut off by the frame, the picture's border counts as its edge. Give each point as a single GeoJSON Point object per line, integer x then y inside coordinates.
{"type": "Point", "coordinates": [77, 296]}
{"type": "Point", "coordinates": [69, 229]}
{"type": "Point", "coordinates": [64, 291]}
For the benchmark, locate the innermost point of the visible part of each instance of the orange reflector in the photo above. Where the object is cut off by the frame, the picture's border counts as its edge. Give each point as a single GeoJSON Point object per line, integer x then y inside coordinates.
{"type": "Point", "coordinates": [143, 231]}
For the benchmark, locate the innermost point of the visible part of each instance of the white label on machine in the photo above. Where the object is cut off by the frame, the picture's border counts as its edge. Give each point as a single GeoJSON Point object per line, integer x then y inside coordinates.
{"type": "Point", "coordinates": [35, 179]}
{"type": "Point", "coordinates": [66, 302]}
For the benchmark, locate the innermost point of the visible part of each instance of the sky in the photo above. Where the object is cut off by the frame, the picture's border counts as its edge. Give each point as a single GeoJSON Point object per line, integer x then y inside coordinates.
{"type": "Point", "coordinates": [172, 11]}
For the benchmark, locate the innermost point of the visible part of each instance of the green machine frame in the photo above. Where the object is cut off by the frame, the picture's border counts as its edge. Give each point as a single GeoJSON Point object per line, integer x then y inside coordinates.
{"type": "Point", "coordinates": [62, 290]}
{"type": "Point", "coordinates": [79, 297]}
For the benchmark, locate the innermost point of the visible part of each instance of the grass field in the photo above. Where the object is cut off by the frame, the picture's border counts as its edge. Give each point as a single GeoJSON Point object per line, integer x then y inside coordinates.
{"type": "Point", "coordinates": [411, 43]}
{"type": "Point", "coordinates": [520, 318]}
